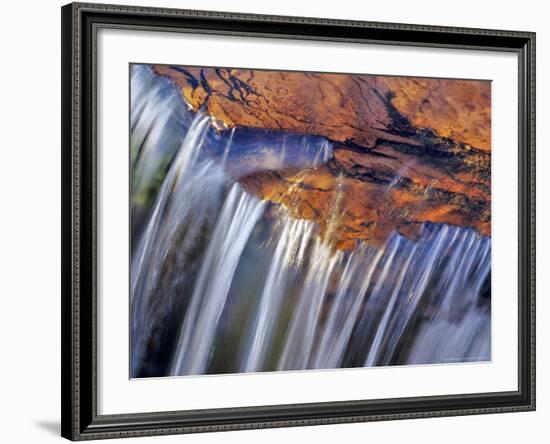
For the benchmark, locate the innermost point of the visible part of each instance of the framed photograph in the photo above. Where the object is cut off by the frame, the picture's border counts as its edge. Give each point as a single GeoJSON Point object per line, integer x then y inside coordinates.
{"type": "Point", "coordinates": [280, 221]}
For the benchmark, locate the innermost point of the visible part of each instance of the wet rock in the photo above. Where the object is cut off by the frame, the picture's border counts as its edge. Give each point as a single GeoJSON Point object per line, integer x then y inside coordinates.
{"type": "Point", "coordinates": [406, 150]}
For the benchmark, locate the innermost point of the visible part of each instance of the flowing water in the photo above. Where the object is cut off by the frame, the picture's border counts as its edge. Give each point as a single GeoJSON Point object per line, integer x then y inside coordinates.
{"type": "Point", "coordinates": [222, 282]}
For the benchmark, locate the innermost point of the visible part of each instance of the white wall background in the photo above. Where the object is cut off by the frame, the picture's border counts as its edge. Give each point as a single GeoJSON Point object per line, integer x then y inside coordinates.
{"type": "Point", "coordinates": [30, 222]}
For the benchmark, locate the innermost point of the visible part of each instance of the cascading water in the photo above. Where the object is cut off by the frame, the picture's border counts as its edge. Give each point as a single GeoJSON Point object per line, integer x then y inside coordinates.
{"type": "Point", "coordinates": [178, 222]}
{"type": "Point", "coordinates": [222, 282]}
{"type": "Point", "coordinates": [172, 231]}
{"type": "Point", "coordinates": [236, 220]}
{"type": "Point", "coordinates": [437, 261]}
{"type": "Point", "coordinates": [292, 240]}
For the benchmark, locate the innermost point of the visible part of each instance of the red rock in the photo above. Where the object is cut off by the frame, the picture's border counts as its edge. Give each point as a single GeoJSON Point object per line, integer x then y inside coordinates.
{"type": "Point", "coordinates": [406, 150]}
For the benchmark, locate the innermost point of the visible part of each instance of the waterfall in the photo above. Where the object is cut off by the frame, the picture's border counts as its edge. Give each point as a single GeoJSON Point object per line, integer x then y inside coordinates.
{"type": "Point", "coordinates": [207, 258]}
{"type": "Point", "coordinates": [345, 309]}
{"type": "Point", "coordinates": [381, 293]}
{"type": "Point", "coordinates": [467, 337]}
{"type": "Point", "coordinates": [301, 336]}
{"type": "Point", "coordinates": [454, 262]}
{"type": "Point", "coordinates": [176, 219]}
{"type": "Point", "coordinates": [293, 237]}
{"type": "Point", "coordinates": [179, 215]}
{"type": "Point", "coordinates": [235, 223]}
{"type": "Point", "coordinates": [177, 182]}
{"type": "Point", "coordinates": [157, 116]}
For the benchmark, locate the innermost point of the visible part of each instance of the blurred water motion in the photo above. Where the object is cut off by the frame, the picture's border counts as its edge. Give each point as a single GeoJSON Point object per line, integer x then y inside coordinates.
{"type": "Point", "coordinates": [222, 282]}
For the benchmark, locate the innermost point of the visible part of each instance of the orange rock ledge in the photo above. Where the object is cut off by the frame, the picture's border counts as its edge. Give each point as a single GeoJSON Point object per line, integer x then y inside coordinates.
{"type": "Point", "coordinates": [406, 150]}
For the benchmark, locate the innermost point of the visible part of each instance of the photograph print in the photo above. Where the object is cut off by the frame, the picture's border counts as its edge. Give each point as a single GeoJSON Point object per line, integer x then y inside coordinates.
{"type": "Point", "coordinates": [289, 221]}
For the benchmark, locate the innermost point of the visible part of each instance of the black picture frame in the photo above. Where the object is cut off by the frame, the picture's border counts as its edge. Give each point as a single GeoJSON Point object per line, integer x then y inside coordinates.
{"type": "Point", "coordinates": [79, 170]}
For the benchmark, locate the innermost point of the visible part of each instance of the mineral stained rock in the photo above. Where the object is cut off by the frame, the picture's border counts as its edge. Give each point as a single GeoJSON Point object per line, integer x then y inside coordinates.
{"type": "Point", "coordinates": [406, 150]}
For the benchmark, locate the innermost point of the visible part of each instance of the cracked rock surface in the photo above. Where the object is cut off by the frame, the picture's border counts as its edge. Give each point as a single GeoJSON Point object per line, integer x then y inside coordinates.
{"type": "Point", "coordinates": [406, 150]}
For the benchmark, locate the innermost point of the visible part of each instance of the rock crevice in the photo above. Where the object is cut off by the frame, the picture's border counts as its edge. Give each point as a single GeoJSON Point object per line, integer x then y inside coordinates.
{"type": "Point", "coordinates": [405, 150]}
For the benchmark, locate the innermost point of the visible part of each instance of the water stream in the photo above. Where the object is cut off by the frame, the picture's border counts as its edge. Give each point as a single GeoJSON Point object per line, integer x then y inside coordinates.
{"type": "Point", "coordinates": [222, 282]}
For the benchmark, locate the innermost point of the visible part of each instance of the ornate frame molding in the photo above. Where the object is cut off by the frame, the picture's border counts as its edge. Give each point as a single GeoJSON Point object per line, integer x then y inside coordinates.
{"type": "Point", "coordinates": [80, 22]}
